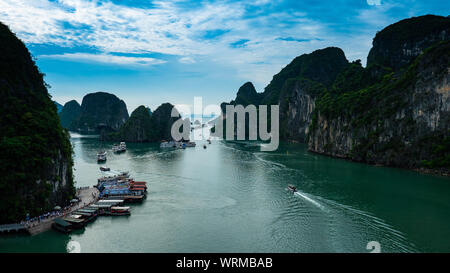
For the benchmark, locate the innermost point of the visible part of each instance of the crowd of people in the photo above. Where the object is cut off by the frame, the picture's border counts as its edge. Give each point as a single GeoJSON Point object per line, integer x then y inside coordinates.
{"type": "Point", "coordinates": [49, 215]}
{"type": "Point", "coordinates": [55, 213]}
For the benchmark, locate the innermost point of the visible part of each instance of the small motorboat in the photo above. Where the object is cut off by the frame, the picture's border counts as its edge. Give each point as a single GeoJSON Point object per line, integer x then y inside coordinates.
{"type": "Point", "coordinates": [204, 146]}
{"type": "Point", "coordinates": [209, 141]}
{"type": "Point", "coordinates": [105, 169]}
{"type": "Point", "coordinates": [292, 188]}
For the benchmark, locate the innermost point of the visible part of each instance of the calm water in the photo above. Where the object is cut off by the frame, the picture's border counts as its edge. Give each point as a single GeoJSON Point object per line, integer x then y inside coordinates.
{"type": "Point", "coordinates": [232, 198]}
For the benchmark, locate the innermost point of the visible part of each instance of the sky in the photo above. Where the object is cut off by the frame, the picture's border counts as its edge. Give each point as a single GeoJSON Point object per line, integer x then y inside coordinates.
{"type": "Point", "coordinates": [152, 52]}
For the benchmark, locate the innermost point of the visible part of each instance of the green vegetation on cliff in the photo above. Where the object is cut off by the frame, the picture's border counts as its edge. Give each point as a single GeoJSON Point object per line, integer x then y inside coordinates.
{"type": "Point", "coordinates": [143, 127]}
{"type": "Point", "coordinates": [368, 108]}
{"type": "Point", "coordinates": [36, 157]}
{"type": "Point", "coordinates": [70, 112]}
{"type": "Point", "coordinates": [100, 112]}
{"type": "Point", "coordinates": [321, 66]}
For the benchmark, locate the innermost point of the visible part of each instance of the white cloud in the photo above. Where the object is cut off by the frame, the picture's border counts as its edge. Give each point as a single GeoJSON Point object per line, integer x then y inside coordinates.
{"type": "Point", "coordinates": [167, 29]}
{"type": "Point", "coordinates": [105, 58]}
{"type": "Point", "coordinates": [186, 60]}
{"type": "Point", "coordinates": [374, 2]}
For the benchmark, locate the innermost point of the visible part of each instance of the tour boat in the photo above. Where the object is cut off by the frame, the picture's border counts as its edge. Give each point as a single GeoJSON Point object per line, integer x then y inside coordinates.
{"type": "Point", "coordinates": [115, 148]}
{"type": "Point", "coordinates": [61, 226]}
{"type": "Point", "coordinates": [76, 221]}
{"type": "Point", "coordinates": [119, 211]}
{"type": "Point", "coordinates": [118, 148]}
{"type": "Point", "coordinates": [101, 156]}
{"type": "Point", "coordinates": [122, 146]}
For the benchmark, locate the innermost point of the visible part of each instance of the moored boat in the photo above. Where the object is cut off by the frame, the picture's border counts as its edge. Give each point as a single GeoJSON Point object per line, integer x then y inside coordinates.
{"type": "Point", "coordinates": [75, 220]}
{"type": "Point", "coordinates": [105, 169]}
{"type": "Point", "coordinates": [61, 226]}
{"type": "Point", "coordinates": [120, 211]}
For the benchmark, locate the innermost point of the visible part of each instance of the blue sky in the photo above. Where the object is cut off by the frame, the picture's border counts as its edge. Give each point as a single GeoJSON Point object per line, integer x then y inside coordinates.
{"type": "Point", "coordinates": [151, 52]}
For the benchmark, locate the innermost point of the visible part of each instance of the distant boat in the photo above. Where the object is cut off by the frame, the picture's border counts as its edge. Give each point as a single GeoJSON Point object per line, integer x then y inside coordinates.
{"type": "Point", "coordinates": [105, 169]}
{"type": "Point", "coordinates": [166, 144]}
{"type": "Point", "coordinates": [190, 144]}
{"type": "Point", "coordinates": [101, 156]}
{"type": "Point", "coordinates": [204, 146]}
{"type": "Point", "coordinates": [292, 188]}
{"type": "Point", "coordinates": [115, 148]}
{"type": "Point", "coordinates": [123, 146]}
{"type": "Point", "coordinates": [180, 145]}
{"type": "Point", "coordinates": [118, 148]}
{"type": "Point", "coordinates": [209, 141]}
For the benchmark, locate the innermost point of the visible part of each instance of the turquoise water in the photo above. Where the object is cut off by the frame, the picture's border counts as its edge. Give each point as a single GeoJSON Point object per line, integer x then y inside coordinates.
{"type": "Point", "coordinates": [233, 198]}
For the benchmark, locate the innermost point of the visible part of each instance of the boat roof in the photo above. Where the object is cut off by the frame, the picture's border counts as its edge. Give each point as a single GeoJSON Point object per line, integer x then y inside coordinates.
{"type": "Point", "coordinates": [121, 208]}
{"type": "Point", "coordinates": [88, 209]}
{"type": "Point", "coordinates": [110, 201]}
{"type": "Point", "coordinates": [74, 220]}
{"type": "Point", "coordinates": [102, 205]}
{"type": "Point", "coordinates": [83, 213]}
{"type": "Point", "coordinates": [61, 222]}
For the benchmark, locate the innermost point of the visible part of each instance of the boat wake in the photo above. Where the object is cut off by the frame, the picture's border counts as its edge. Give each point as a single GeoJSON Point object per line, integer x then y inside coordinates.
{"type": "Point", "coordinates": [340, 214]}
{"type": "Point", "coordinates": [310, 200]}
{"type": "Point", "coordinates": [258, 157]}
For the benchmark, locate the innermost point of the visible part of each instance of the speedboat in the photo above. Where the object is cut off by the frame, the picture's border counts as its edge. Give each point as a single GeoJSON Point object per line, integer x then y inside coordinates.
{"type": "Point", "coordinates": [292, 188]}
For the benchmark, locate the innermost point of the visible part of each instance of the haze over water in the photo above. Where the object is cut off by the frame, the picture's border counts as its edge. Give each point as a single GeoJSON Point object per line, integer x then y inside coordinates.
{"type": "Point", "coordinates": [231, 197]}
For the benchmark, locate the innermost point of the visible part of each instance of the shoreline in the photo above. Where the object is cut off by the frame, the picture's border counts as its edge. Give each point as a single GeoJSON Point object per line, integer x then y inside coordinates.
{"type": "Point", "coordinates": [421, 170]}
{"type": "Point", "coordinates": [87, 196]}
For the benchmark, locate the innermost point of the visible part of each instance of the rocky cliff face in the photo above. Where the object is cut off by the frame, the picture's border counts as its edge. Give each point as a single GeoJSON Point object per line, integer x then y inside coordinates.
{"type": "Point", "coordinates": [295, 89]}
{"type": "Point", "coordinates": [163, 122]}
{"type": "Point", "coordinates": [143, 127]}
{"type": "Point", "coordinates": [69, 113]}
{"type": "Point", "coordinates": [400, 43]}
{"type": "Point", "coordinates": [59, 107]}
{"type": "Point", "coordinates": [393, 112]}
{"type": "Point", "coordinates": [403, 120]}
{"type": "Point", "coordinates": [36, 157]}
{"type": "Point", "coordinates": [100, 112]}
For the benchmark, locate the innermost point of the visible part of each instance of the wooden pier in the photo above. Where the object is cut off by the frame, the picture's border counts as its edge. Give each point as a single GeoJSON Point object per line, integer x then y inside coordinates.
{"type": "Point", "coordinates": [12, 228]}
